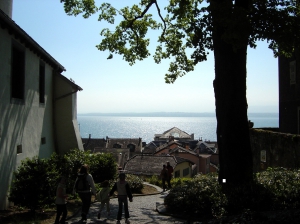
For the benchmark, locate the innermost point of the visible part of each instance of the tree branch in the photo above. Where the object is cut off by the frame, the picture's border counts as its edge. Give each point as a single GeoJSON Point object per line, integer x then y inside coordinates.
{"type": "Point", "coordinates": [136, 18]}
{"type": "Point", "coordinates": [162, 19]}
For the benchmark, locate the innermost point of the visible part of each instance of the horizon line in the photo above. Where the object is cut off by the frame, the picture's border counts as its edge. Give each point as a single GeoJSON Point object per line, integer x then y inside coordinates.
{"type": "Point", "coordinates": [163, 113]}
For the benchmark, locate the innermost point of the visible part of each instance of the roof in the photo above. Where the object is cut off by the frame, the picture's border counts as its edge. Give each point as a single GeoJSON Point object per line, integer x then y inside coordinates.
{"type": "Point", "coordinates": [148, 150]}
{"type": "Point", "coordinates": [71, 82]}
{"type": "Point", "coordinates": [175, 132]}
{"type": "Point", "coordinates": [166, 145]}
{"type": "Point", "coordinates": [206, 147]}
{"type": "Point", "coordinates": [7, 23]}
{"type": "Point", "coordinates": [124, 142]}
{"type": "Point", "coordinates": [150, 165]}
{"type": "Point", "coordinates": [92, 143]}
{"type": "Point", "coordinates": [181, 149]}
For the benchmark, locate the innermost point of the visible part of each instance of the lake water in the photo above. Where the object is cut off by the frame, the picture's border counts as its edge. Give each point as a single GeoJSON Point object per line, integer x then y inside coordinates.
{"type": "Point", "coordinates": [145, 127]}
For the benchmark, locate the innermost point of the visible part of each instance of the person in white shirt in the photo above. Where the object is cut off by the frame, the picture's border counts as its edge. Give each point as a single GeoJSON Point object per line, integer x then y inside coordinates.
{"type": "Point", "coordinates": [124, 192]}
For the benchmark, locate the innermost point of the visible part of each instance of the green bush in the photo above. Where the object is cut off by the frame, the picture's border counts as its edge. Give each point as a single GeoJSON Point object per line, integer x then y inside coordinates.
{"type": "Point", "coordinates": [35, 181]}
{"type": "Point", "coordinates": [102, 166]}
{"type": "Point", "coordinates": [199, 196]}
{"type": "Point", "coordinates": [179, 181]}
{"type": "Point", "coordinates": [35, 184]}
{"type": "Point", "coordinates": [283, 185]}
{"type": "Point", "coordinates": [135, 183]}
{"type": "Point", "coordinates": [202, 196]}
{"type": "Point", "coordinates": [154, 180]}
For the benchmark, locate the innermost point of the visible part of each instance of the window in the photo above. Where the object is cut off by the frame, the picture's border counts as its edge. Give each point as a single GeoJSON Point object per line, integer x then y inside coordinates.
{"type": "Point", "coordinates": [43, 140]}
{"type": "Point", "coordinates": [177, 174]}
{"type": "Point", "coordinates": [175, 134]}
{"type": "Point", "coordinates": [17, 72]}
{"type": "Point", "coordinates": [117, 146]}
{"type": "Point", "coordinates": [131, 147]}
{"type": "Point", "coordinates": [19, 149]}
{"type": "Point", "coordinates": [186, 172]}
{"type": "Point", "coordinates": [42, 82]}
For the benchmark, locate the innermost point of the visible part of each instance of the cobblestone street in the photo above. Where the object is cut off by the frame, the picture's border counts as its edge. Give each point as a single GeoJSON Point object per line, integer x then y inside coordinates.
{"type": "Point", "coordinates": [141, 210]}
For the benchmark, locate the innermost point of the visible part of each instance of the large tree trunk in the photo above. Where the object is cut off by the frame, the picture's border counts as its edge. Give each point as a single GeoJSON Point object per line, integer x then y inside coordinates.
{"type": "Point", "coordinates": [236, 166]}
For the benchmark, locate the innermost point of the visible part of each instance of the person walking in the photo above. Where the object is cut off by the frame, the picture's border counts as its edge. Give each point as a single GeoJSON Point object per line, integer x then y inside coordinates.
{"type": "Point", "coordinates": [164, 176]}
{"type": "Point", "coordinates": [170, 174]}
{"type": "Point", "coordinates": [85, 187]}
{"type": "Point", "coordinates": [61, 201]}
{"type": "Point", "coordinates": [124, 192]}
{"type": "Point", "coordinates": [103, 197]}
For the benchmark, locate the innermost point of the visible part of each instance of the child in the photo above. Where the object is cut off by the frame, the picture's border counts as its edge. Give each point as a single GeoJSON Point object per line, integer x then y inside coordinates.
{"type": "Point", "coordinates": [103, 197]}
{"type": "Point", "coordinates": [61, 201]}
{"type": "Point", "coordinates": [123, 189]}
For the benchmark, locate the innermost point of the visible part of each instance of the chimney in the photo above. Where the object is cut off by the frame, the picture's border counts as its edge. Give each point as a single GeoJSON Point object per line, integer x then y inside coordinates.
{"type": "Point", "coordinates": [6, 7]}
{"type": "Point", "coordinates": [187, 145]}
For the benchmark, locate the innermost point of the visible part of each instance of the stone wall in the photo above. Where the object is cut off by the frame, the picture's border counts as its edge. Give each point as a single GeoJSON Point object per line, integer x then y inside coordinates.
{"type": "Point", "coordinates": [274, 149]}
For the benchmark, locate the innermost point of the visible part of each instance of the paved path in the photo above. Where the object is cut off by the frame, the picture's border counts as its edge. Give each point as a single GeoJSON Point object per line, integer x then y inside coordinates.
{"type": "Point", "coordinates": [143, 209]}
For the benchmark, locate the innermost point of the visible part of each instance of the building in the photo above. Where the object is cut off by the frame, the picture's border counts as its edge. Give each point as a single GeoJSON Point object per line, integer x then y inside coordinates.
{"type": "Point", "coordinates": [174, 134]}
{"type": "Point", "coordinates": [289, 94]}
{"type": "Point", "coordinates": [38, 114]}
{"type": "Point", "coordinates": [149, 165]}
{"type": "Point", "coordinates": [134, 144]}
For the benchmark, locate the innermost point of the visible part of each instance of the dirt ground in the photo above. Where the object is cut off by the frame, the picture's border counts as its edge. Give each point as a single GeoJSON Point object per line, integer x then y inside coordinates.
{"type": "Point", "coordinates": [15, 215]}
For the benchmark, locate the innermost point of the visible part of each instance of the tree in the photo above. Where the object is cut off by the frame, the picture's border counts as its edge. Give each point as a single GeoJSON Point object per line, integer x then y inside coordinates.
{"type": "Point", "coordinates": [226, 27]}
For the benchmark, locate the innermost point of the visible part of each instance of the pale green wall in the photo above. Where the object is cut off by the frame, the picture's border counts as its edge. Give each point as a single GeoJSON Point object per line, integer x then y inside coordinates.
{"type": "Point", "coordinates": [180, 167]}
{"type": "Point", "coordinates": [67, 129]}
{"type": "Point", "coordinates": [26, 122]}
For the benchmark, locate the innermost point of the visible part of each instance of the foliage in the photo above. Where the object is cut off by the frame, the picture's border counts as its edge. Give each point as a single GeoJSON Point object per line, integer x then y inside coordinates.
{"type": "Point", "coordinates": [135, 183]}
{"type": "Point", "coordinates": [36, 179]}
{"type": "Point", "coordinates": [284, 185]}
{"type": "Point", "coordinates": [273, 189]}
{"type": "Point", "coordinates": [154, 180]}
{"type": "Point", "coordinates": [199, 196]}
{"type": "Point", "coordinates": [179, 181]}
{"type": "Point", "coordinates": [101, 166]}
{"type": "Point", "coordinates": [34, 183]}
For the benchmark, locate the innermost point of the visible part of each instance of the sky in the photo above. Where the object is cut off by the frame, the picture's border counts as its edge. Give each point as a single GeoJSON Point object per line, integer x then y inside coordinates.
{"type": "Point", "coordinates": [113, 86]}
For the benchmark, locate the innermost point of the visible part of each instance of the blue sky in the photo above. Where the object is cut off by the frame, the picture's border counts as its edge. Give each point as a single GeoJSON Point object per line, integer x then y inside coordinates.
{"type": "Point", "coordinates": [111, 86]}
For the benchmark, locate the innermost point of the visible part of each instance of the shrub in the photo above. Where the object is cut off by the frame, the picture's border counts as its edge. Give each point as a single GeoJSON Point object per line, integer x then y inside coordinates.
{"type": "Point", "coordinates": [179, 181]}
{"type": "Point", "coordinates": [35, 184]}
{"type": "Point", "coordinates": [35, 181]}
{"type": "Point", "coordinates": [154, 180]}
{"type": "Point", "coordinates": [102, 166]}
{"type": "Point", "coordinates": [135, 183]}
{"type": "Point", "coordinates": [200, 195]}
{"type": "Point", "coordinates": [283, 185]}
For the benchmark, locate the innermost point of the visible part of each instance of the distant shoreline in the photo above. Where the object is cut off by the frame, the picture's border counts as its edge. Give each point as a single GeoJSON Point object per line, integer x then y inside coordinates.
{"type": "Point", "coordinates": [171, 114]}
